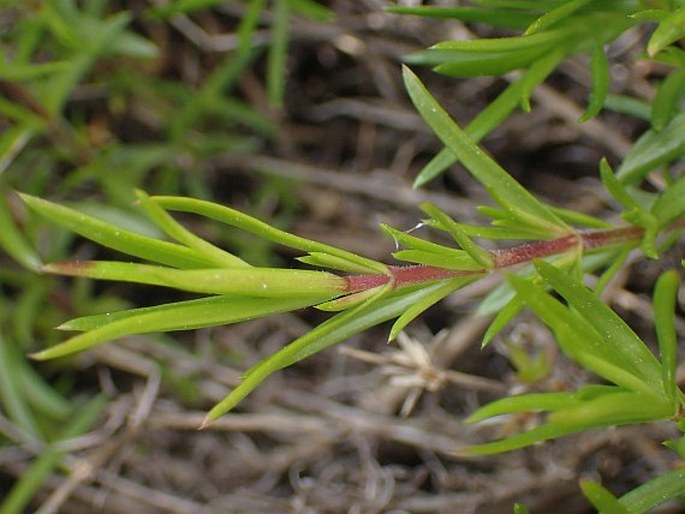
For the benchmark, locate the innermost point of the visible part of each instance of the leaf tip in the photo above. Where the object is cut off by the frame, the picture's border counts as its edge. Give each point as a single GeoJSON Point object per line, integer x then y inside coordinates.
{"type": "Point", "coordinates": [75, 267]}
{"type": "Point", "coordinates": [206, 421]}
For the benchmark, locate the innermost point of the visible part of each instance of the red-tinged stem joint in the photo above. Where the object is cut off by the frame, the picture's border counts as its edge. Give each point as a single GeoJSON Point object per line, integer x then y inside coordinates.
{"type": "Point", "coordinates": [416, 274]}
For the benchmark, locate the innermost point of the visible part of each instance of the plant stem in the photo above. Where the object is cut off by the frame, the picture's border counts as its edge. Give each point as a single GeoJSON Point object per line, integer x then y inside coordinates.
{"type": "Point", "coordinates": [402, 276]}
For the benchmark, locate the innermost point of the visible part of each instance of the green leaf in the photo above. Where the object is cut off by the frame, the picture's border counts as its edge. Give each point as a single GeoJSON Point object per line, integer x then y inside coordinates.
{"type": "Point", "coordinates": [471, 64]}
{"type": "Point", "coordinates": [276, 68]}
{"type": "Point", "coordinates": [669, 30]}
{"type": "Point", "coordinates": [510, 194]}
{"type": "Point", "coordinates": [348, 301]}
{"type": "Point", "coordinates": [477, 253]}
{"type": "Point", "coordinates": [599, 70]}
{"type": "Point", "coordinates": [614, 408]}
{"type": "Point", "coordinates": [580, 218]}
{"type": "Point", "coordinates": [622, 346]}
{"type": "Point", "coordinates": [536, 435]}
{"type": "Point", "coordinates": [259, 282]}
{"type": "Point", "coordinates": [635, 213]}
{"type": "Point", "coordinates": [446, 260]}
{"type": "Point", "coordinates": [665, 296]}
{"type": "Point", "coordinates": [313, 10]}
{"type": "Point", "coordinates": [263, 230]}
{"type": "Point", "coordinates": [373, 311]}
{"type": "Point", "coordinates": [653, 149]}
{"type": "Point", "coordinates": [531, 402]}
{"type": "Point", "coordinates": [304, 346]}
{"type": "Point", "coordinates": [572, 412]}
{"type": "Point", "coordinates": [502, 319]}
{"type": "Point", "coordinates": [630, 105]}
{"type": "Point", "coordinates": [555, 16]}
{"type": "Point", "coordinates": [425, 303]}
{"type": "Point", "coordinates": [655, 492]}
{"type": "Point", "coordinates": [670, 205]}
{"type": "Point", "coordinates": [11, 239]}
{"type": "Point", "coordinates": [178, 232]}
{"type": "Point", "coordinates": [506, 44]}
{"type": "Point", "coordinates": [602, 499]}
{"type": "Point", "coordinates": [11, 393]}
{"type": "Point", "coordinates": [667, 99]}
{"type": "Point", "coordinates": [520, 509]}
{"type": "Point", "coordinates": [117, 238]}
{"type": "Point", "coordinates": [325, 260]}
{"type": "Point", "coordinates": [101, 36]}
{"type": "Point", "coordinates": [578, 339]}
{"type": "Point", "coordinates": [496, 112]}
{"type": "Point", "coordinates": [220, 310]}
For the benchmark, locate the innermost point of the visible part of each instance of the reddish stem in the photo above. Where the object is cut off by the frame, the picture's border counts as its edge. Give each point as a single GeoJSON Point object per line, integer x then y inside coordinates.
{"type": "Point", "coordinates": [504, 258]}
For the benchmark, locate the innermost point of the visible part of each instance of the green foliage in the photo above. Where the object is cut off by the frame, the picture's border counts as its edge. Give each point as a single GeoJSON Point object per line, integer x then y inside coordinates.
{"type": "Point", "coordinates": [555, 31]}
{"type": "Point", "coordinates": [545, 273]}
{"type": "Point", "coordinates": [593, 335]}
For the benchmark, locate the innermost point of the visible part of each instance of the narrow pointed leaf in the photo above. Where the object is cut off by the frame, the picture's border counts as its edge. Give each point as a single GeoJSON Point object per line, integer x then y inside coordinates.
{"type": "Point", "coordinates": [12, 240]}
{"type": "Point", "coordinates": [602, 499]}
{"type": "Point", "coordinates": [447, 260]}
{"type": "Point", "coordinates": [477, 253]}
{"type": "Point", "coordinates": [554, 16]}
{"type": "Point", "coordinates": [619, 337]}
{"type": "Point", "coordinates": [415, 310]}
{"type": "Point", "coordinates": [665, 296]}
{"type": "Point", "coordinates": [181, 317]}
{"type": "Point", "coordinates": [668, 97]}
{"type": "Point", "coordinates": [669, 30]}
{"type": "Point", "coordinates": [536, 435]}
{"type": "Point", "coordinates": [261, 282]}
{"type": "Point", "coordinates": [502, 319]}
{"type": "Point", "coordinates": [531, 402]}
{"type": "Point", "coordinates": [348, 301]}
{"type": "Point", "coordinates": [653, 149]}
{"type": "Point", "coordinates": [372, 312]}
{"type": "Point", "coordinates": [126, 241]}
{"type": "Point", "coordinates": [298, 349]}
{"type": "Point", "coordinates": [670, 205]}
{"type": "Point", "coordinates": [599, 71]}
{"type": "Point", "coordinates": [616, 408]}
{"type": "Point", "coordinates": [490, 117]}
{"type": "Point", "coordinates": [325, 260]}
{"type": "Point", "coordinates": [263, 230]}
{"type": "Point", "coordinates": [513, 196]}
{"type": "Point", "coordinates": [92, 322]}
{"type": "Point", "coordinates": [651, 494]}
{"type": "Point", "coordinates": [178, 232]}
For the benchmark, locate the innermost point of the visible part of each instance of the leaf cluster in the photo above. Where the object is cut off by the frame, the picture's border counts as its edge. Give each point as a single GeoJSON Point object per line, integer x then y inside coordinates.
{"type": "Point", "coordinates": [554, 31]}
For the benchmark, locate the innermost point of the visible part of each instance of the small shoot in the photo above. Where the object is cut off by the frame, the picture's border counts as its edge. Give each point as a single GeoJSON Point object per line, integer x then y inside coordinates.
{"type": "Point", "coordinates": [477, 253]}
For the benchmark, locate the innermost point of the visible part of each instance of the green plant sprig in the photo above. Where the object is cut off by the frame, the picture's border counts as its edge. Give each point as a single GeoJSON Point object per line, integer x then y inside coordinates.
{"type": "Point", "coordinates": [369, 292]}
{"type": "Point", "coordinates": [246, 292]}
